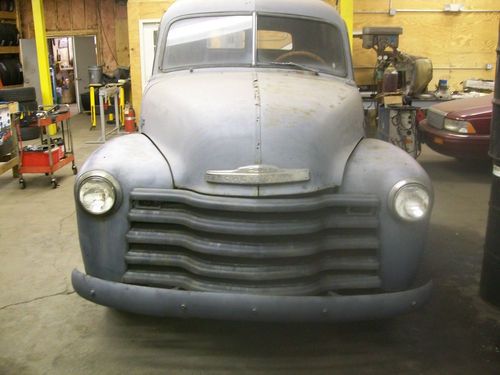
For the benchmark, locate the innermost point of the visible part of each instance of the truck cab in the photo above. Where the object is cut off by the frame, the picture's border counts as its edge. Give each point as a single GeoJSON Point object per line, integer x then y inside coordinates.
{"type": "Point", "coordinates": [251, 192]}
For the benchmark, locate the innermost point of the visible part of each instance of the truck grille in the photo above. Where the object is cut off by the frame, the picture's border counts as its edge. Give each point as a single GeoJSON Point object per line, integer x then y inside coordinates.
{"type": "Point", "coordinates": [308, 245]}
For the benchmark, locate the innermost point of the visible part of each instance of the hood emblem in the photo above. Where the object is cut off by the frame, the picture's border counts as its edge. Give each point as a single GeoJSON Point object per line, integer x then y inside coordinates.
{"type": "Point", "coordinates": [257, 175]}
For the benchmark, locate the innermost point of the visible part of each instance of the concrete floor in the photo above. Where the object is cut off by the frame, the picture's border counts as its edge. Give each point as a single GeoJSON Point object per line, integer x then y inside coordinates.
{"type": "Point", "coordinates": [45, 328]}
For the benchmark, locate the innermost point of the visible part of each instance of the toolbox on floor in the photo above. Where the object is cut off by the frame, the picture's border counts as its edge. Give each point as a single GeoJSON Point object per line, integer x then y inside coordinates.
{"type": "Point", "coordinates": [38, 159]}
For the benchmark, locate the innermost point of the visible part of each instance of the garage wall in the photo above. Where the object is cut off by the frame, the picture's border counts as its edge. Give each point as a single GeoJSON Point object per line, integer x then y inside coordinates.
{"type": "Point", "coordinates": [459, 44]}
{"type": "Point", "coordinates": [105, 18]}
{"type": "Point", "coordinates": [140, 10]}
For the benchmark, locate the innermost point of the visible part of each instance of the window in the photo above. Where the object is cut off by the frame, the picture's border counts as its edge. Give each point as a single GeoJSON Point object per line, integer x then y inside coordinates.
{"type": "Point", "coordinates": [282, 42]}
{"type": "Point", "coordinates": [209, 41]}
{"type": "Point", "coordinates": [270, 39]}
{"type": "Point", "coordinates": [287, 41]}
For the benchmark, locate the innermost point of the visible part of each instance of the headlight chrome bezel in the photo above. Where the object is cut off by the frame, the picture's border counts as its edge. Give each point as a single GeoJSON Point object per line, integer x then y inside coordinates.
{"type": "Point", "coordinates": [105, 177]}
{"type": "Point", "coordinates": [395, 193]}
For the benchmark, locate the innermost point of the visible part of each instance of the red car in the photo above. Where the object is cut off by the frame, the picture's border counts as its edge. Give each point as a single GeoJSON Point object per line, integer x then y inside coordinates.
{"type": "Point", "coordinates": [459, 128]}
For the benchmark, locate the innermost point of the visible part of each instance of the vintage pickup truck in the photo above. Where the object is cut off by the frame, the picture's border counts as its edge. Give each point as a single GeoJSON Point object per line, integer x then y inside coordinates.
{"type": "Point", "coordinates": [251, 192]}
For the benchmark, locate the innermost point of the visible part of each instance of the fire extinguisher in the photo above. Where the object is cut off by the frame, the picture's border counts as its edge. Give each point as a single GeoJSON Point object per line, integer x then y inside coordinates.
{"type": "Point", "coordinates": [129, 123]}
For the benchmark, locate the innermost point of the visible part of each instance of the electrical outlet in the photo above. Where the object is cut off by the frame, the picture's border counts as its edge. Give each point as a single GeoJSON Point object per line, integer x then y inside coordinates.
{"type": "Point", "coordinates": [488, 66]}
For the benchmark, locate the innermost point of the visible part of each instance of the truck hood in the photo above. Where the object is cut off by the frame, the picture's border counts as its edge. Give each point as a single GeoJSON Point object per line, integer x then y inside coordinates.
{"type": "Point", "coordinates": [291, 124]}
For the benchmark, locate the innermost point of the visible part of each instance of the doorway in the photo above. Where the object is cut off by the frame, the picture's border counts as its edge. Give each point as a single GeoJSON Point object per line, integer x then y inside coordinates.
{"type": "Point", "coordinates": [70, 58]}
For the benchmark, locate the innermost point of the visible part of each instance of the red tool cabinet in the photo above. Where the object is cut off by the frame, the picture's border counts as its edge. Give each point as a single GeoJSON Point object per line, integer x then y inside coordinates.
{"type": "Point", "coordinates": [61, 149]}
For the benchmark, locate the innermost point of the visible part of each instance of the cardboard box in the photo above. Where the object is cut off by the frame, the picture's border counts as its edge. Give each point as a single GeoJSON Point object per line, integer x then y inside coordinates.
{"type": "Point", "coordinates": [392, 99]}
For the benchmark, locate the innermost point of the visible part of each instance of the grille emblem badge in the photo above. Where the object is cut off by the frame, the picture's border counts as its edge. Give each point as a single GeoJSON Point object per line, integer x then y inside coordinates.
{"type": "Point", "coordinates": [257, 175]}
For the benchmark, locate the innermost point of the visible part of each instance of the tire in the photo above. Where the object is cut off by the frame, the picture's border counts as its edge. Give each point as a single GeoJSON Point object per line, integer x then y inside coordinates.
{"type": "Point", "coordinates": [11, 5]}
{"type": "Point", "coordinates": [9, 35]}
{"type": "Point", "coordinates": [30, 132]}
{"type": "Point", "coordinates": [5, 75]}
{"type": "Point", "coordinates": [6, 147]}
{"type": "Point", "coordinates": [20, 94]}
{"type": "Point", "coordinates": [11, 73]}
{"type": "Point", "coordinates": [16, 71]}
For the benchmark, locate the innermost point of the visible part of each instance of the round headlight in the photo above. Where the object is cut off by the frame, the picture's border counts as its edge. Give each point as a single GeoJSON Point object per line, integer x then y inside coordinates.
{"type": "Point", "coordinates": [97, 192]}
{"type": "Point", "coordinates": [410, 201]}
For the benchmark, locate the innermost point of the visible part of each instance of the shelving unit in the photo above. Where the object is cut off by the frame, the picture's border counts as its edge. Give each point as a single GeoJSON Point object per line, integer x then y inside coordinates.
{"type": "Point", "coordinates": [11, 161]}
{"type": "Point", "coordinates": [11, 17]}
{"type": "Point", "coordinates": [9, 50]}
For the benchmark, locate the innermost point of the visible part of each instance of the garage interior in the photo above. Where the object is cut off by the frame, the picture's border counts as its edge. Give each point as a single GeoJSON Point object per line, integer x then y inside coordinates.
{"type": "Point", "coordinates": [46, 328]}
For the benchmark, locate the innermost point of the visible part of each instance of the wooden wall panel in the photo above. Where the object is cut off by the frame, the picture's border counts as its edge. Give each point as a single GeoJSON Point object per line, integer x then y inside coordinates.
{"type": "Point", "coordinates": [64, 15]}
{"type": "Point", "coordinates": [140, 10]}
{"type": "Point", "coordinates": [77, 17]}
{"type": "Point", "coordinates": [377, 5]}
{"type": "Point", "coordinates": [460, 45]}
{"type": "Point", "coordinates": [122, 48]}
{"type": "Point", "coordinates": [90, 14]}
{"type": "Point", "coordinates": [106, 19]}
{"type": "Point", "coordinates": [77, 14]}
{"type": "Point", "coordinates": [50, 11]}
{"type": "Point", "coordinates": [27, 28]}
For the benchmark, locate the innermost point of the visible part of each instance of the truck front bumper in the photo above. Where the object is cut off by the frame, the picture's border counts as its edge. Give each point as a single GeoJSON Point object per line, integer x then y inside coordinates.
{"type": "Point", "coordinates": [225, 306]}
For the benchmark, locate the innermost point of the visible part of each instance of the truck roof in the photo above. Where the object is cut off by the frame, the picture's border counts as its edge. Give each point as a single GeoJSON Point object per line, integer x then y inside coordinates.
{"type": "Point", "coordinates": [306, 8]}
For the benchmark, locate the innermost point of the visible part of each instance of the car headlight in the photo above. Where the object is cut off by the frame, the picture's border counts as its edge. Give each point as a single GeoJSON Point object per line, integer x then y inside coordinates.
{"type": "Point", "coordinates": [98, 192]}
{"type": "Point", "coordinates": [459, 126]}
{"type": "Point", "coordinates": [410, 201]}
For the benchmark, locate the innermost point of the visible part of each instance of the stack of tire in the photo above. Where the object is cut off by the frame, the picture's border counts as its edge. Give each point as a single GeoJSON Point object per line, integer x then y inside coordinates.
{"type": "Point", "coordinates": [26, 97]}
{"type": "Point", "coordinates": [7, 5]}
{"type": "Point", "coordinates": [11, 71]}
{"type": "Point", "coordinates": [9, 36]}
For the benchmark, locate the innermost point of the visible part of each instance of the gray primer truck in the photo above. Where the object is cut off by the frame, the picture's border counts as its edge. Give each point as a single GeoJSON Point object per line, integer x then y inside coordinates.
{"type": "Point", "coordinates": [251, 192]}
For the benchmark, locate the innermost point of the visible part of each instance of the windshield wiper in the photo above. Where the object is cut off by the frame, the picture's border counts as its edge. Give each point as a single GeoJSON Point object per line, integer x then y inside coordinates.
{"type": "Point", "coordinates": [295, 65]}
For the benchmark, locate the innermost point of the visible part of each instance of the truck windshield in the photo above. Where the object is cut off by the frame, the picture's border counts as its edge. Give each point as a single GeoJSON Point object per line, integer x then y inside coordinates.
{"type": "Point", "coordinates": [280, 42]}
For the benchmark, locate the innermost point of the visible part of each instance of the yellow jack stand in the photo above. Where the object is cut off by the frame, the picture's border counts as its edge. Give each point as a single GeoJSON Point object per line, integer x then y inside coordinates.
{"type": "Point", "coordinates": [93, 116]}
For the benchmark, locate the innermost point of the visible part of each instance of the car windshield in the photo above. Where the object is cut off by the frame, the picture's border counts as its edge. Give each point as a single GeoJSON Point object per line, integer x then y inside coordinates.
{"type": "Point", "coordinates": [279, 42]}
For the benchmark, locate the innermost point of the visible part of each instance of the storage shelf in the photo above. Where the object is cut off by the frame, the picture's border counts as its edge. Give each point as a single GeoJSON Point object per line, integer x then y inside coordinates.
{"type": "Point", "coordinates": [14, 86]}
{"type": "Point", "coordinates": [47, 168]}
{"type": "Point", "coordinates": [8, 15]}
{"type": "Point", "coordinates": [7, 50]}
{"type": "Point", "coordinates": [9, 164]}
